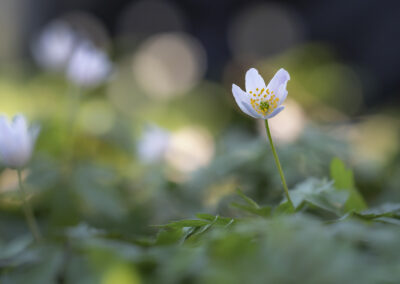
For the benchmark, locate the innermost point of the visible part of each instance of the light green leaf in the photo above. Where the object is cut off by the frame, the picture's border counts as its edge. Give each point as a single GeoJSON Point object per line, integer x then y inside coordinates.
{"type": "Point", "coordinates": [320, 194]}
{"type": "Point", "coordinates": [221, 221]}
{"type": "Point", "coordinates": [344, 180]}
{"type": "Point", "coordinates": [385, 210]}
{"type": "Point", "coordinates": [284, 208]}
{"type": "Point", "coordinates": [169, 236]}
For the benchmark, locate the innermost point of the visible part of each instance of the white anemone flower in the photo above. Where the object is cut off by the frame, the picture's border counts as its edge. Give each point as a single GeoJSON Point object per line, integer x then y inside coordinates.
{"type": "Point", "coordinates": [88, 66]}
{"type": "Point", "coordinates": [54, 46]}
{"type": "Point", "coordinates": [16, 141]}
{"type": "Point", "coordinates": [153, 144]}
{"type": "Point", "coordinates": [259, 100]}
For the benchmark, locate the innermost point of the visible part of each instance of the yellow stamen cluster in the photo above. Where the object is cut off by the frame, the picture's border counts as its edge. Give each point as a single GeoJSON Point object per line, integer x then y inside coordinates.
{"type": "Point", "coordinates": [263, 102]}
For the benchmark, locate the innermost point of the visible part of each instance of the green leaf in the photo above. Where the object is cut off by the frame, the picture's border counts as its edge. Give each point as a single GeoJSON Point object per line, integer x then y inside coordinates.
{"type": "Point", "coordinates": [247, 199]}
{"type": "Point", "coordinates": [388, 220]}
{"type": "Point", "coordinates": [264, 211]}
{"type": "Point", "coordinates": [284, 208]}
{"type": "Point", "coordinates": [320, 194]}
{"type": "Point", "coordinates": [185, 223]}
{"type": "Point", "coordinates": [385, 210]}
{"type": "Point", "coordinates": [169, 236]}
{"type": "Point", "coordinates": [344, 180]}
{"type": "Point", "coordinates": [205, 216]}
{"type": "Point", "coordinates": [251, 206]}
{"type": "Point", "coordinates": [222, 221]}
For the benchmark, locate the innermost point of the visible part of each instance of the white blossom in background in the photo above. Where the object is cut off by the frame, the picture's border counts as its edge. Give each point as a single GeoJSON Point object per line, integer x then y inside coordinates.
{"type": "Point", "coordinates": [153, 144]}
{"type": "Point", "coordinates": [287, 126]}
{"type": "Point", "coordinates": [53, 47]}
{"type": "Point", "coordinates": [88, 66]}
{"type": "Point", "coordinates": [16, 141]}
{"type": "Point", "coordinates": [190, 149]}
{"type": "Point", "coordinates": [259, 100]}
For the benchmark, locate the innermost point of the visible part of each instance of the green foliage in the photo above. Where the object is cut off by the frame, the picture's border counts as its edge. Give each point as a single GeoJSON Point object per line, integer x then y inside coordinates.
{"type": "Point", "coordinates": [318, 194]}
{"type": "Point", "coordinates": [107, 218]}
{"type": "Point", "coordinates": [251, 206]}
{"type": "Point", "coordinates": [344, 180]}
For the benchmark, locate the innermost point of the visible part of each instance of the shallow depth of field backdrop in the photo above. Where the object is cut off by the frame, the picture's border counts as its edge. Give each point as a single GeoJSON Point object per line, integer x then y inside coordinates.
{"type": "Point", "coordinates": [150, 134]}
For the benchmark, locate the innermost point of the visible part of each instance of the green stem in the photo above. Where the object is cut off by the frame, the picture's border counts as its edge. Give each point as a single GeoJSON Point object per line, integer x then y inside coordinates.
{"type": "Point", "coordinates": [30, 218]}
{"type": "Point", "coordinates": [74, 96]}
{"type": "Point", "coordinates": [278, 164]}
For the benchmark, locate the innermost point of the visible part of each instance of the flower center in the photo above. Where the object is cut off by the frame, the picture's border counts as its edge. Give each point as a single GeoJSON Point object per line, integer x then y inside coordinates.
{"type": "Point", "coordinates": [263, 102]}
{"type": "Point", "coordinates": [264, 106]}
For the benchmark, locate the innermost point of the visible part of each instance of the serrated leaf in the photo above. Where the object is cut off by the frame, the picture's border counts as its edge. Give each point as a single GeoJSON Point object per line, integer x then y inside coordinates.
{"type": "Point", "coordinates": [388, 220]}
{"type": "Point", "coordinates": [344, 180]}
{"type": "Point", "coordinates": [320, 194]}
{"type": "Point", "coordinates": [385, 210]}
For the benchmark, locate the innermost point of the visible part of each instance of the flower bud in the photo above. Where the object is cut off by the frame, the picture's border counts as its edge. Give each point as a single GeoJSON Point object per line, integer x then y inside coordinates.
{"type": "Point", "coordinates": [16, 141]}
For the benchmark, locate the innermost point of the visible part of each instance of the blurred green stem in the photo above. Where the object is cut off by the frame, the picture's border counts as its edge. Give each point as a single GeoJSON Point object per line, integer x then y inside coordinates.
{"type": "Point", "coordinates": [278, 164]}
{"type": "Point", "coordinates": [30, 218]}
{"type": "Point", "coordinates": [74, 94]}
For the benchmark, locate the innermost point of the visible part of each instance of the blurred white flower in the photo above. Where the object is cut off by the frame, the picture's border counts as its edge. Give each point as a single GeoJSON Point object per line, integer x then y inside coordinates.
{"type": "Point", "coordinates": [53, 47]}
{"type": "Point", "coordinates": [289, 125]}
{"type": "Point", "coordinates": [260, 101]}
{"type": "Point", "coordinates": [88, 65]}
{"type": "Point", "coordinates": [16, 141]}
{"type": "Point", "coordinates": [153, 144]}
{"type": "Point", "coordinates": [190, 149]}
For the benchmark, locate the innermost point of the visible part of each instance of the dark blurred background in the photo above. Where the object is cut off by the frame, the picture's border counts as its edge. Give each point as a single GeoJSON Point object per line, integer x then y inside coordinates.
{"type": "Point", "coordinates": [363, 34]}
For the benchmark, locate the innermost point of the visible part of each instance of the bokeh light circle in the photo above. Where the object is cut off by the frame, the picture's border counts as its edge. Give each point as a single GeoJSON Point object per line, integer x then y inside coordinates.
{"type": "Point", "coordinates": [190, 148]}
{"type": "Point", "coordinates": [169, 64]}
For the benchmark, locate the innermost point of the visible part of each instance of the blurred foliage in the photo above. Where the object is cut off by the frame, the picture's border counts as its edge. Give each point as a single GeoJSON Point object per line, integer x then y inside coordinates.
{"type": "Point", "coordinates": [108, 217]}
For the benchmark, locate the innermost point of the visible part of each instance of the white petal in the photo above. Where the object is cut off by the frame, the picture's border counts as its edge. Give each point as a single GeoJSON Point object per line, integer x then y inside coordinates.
{"type": "Point", "coordinates": [15, 142]}
{"type": "Point", "coordinates": [21, 135]}
{"type": "Point", "coordinates": [278, 84]}
{"type": "Point", "coordinates": [88, 65]}
{"type": "Point", "coordinates": [5, 127]}
{"type": "Point", "coordinates": [254, 80]}
{"type": "Point", "coordinates": [22, 141]}
{"type": "Point", "coordinates": [251, 110]}
{"type": "Point", "coordinates": [243, 101]}
{"type": "Point", "coordinates": [275, 112]}
{"type": "Point", "coordinates": [19, 124]}
{"type": "Point", "coordinates": [282, 94]}
{"type": "Point", "coordinates": [6, 141]}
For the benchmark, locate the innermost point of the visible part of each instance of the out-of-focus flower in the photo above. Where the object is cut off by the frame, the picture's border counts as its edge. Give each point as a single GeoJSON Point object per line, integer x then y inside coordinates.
{"type": "Point", "coordinates": [16, 141]}
{"type": "Point", "coordinates": [260, 101]}
{"type": "Point", "coordinates": [190, 149]}
{"type": "Point", "coordinates": [53, 47]}
{"type": "Point", "coordinates": [153, 144]}
{"type": "Point", "coordinates": [288, 126]}
{"type": "Point", "coordinates": [88, 66]}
